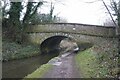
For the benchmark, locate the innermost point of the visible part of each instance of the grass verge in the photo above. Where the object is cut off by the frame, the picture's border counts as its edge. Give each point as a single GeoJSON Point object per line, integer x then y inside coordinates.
{"type": "Point", "coordinates": [39, 72]}
{"type": "Point", "coordinates": [88, 65]}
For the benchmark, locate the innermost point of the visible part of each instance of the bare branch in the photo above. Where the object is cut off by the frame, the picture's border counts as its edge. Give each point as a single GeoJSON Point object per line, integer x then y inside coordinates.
{"type": "Point", "coordinates": [109, 12]}
{"type": "Point", "coordinates": [117, 27]}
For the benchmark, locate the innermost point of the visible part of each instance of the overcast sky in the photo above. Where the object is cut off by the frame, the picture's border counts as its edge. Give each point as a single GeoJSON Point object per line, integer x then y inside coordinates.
{"type": "Point", "coordinates": [78, 11]}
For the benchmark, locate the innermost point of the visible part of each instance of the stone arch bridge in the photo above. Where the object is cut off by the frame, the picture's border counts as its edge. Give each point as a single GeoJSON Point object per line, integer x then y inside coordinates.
{"type": "Point", "coordinates": [52, 33]}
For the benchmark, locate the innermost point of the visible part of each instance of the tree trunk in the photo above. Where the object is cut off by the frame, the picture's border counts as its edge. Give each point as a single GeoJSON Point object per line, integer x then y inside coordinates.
{"type": "Point", "coordinates": [14, 20]}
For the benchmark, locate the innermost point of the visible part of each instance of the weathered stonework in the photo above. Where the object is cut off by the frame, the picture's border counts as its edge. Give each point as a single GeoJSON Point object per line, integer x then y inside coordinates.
{"type": "Point", "coordinates": [79, 32]}
{"type": "Point", "coordinates": [73, 28]}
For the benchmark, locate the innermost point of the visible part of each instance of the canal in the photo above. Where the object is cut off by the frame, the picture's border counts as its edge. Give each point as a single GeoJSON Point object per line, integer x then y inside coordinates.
{"type": "Point", "coordinates": [21, 68]}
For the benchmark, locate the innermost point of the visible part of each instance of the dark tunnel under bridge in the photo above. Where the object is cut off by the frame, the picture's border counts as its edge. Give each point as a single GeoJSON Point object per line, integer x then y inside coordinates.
{"type": "Point", "coordinates": [52, 44]}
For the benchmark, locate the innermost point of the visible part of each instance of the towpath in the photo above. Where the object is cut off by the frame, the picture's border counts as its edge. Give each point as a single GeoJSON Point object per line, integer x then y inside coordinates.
{"type": "Point", "coordinates": [64, 67]}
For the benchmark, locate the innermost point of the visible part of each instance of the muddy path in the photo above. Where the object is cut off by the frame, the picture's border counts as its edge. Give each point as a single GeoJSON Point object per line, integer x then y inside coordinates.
{"type": "Point", "coordinates": [65, 69]}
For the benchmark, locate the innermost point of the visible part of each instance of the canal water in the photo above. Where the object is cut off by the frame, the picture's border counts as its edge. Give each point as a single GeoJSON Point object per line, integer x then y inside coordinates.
{"type": "Point", "coordinates": [23, 67]}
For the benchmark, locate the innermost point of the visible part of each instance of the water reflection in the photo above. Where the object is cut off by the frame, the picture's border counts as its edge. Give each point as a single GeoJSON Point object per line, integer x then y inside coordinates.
{"type": "Point", "coordinates": [23, 67]}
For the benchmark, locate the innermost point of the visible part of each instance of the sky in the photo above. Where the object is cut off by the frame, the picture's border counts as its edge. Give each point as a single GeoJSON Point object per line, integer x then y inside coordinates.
{"type": "Point", "coordinates": [81, 11]}
{"type": "Point", "coordinates": [78, 11]}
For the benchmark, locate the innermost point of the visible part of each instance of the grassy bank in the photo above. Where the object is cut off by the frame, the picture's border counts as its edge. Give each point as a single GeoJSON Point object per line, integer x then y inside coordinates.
{"type": "Point", "coordinates": [39, 72]}
{"type": "Point", "coordinates": [91, 66]}
{"type": "Point", "coordinates": [12, 50]}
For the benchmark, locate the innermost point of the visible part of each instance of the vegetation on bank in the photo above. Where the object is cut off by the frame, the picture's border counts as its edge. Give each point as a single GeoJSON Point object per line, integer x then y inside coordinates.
{"type": "Point", "coordinates": [12, 50]}
{"type": "Point", "coordinates": [92, 65]}
{"type": "Point", "coordinates": [39, 72]}
{"type": "Point", "coordinates": [88, 65]}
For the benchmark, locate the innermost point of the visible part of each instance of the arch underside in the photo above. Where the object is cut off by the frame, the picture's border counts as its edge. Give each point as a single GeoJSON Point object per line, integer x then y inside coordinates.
{"type": "Point", "coordinates": [52, 43]}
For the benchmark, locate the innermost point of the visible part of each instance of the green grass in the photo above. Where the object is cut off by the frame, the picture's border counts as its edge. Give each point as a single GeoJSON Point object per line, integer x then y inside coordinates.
{"type": "Point", "coordinates": [88, 65]}
{"type": "Point", "coordinates": [39, 72]}
{"type": "Point", "coordinates": [12, 50]}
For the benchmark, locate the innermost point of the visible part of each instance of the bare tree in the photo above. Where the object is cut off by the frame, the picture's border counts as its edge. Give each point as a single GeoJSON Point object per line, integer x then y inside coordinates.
{"type": "Point", "coordinates": [117, 26]}
{"type": "Point", "coordinates": [31, 10]}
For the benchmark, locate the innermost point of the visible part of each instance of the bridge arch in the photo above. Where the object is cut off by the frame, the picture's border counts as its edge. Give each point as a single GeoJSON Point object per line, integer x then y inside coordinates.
{"type": "Point", "coordinates": [81, 33]}
{"type": "Point", "coordinates": [52, 43]}
{"type": "Point", "coordinates": [42, 39]}
{"type": "Point", "coordinates": [60, 34]}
